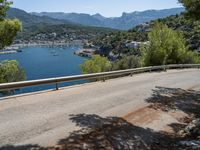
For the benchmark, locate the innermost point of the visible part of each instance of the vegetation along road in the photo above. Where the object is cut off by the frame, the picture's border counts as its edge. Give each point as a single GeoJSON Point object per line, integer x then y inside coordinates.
{"type": "Point", "coordinates": [46, 118]}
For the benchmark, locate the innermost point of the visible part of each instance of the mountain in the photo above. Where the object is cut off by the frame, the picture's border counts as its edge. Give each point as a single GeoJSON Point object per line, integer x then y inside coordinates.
{"type": "Point", "coordinates": [30, 20]}
{"type": "Point", "coordinates": [43, 27]}
{"type": "Point", "coordinates": [126, 21]}
{"type": "Point", "coordinates": [84, 19]}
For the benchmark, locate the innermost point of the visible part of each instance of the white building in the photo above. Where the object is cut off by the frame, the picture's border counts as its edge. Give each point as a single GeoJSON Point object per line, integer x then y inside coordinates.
{"type": "Point", "coordinates": [135, 44]}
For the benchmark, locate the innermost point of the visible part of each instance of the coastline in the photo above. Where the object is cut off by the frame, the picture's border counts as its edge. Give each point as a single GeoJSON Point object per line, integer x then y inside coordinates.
{"type": "Point", "coordinates": [7, 52]}
{"type": "Point", "coordinates": [15, 48]}
{"type": "Point", "coordinates": [47, 43]}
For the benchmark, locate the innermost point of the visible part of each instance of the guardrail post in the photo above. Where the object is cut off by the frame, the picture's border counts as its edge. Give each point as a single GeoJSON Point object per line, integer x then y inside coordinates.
{"type": "Point", "coordinates": [181, 66]}
{"type": "Point", "coordinates": [104, 79]}
{"type": "Point", "coordinates": [164, 68]}
{"type": "Point", "coordinates": [57, 88]}
{"type": "Point", "coordinates": [131, 74]}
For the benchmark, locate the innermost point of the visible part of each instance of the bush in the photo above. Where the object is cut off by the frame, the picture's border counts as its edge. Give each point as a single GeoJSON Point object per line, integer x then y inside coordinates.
{"type": "Point", "coordinates": [8, 28]}
{"type": "Point", "coordinates": [11, 72]}
{"type": "Point", "coordinates": [127, 63]}
{"type": "Point", "coordinates": [8, 31]}
{"type": "Point", "coordinates": [95, 64]}
{"type": "Point", "coordinates": [166, 47]}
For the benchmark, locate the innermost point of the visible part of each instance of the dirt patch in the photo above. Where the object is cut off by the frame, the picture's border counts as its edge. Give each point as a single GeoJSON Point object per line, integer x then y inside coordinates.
{"type": "Point", "coordinates": [156, 119]}
{"type": "Point", "coordinates": [142, 116]}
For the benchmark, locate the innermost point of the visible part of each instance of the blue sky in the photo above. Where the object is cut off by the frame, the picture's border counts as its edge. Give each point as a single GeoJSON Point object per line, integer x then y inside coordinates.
{"type": "Point", "coordinates": [109, 8]}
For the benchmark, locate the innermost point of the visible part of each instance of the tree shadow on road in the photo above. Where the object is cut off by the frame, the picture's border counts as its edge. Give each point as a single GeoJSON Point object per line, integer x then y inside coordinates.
{"type": "Point", "coordinates": [168, 99]}
{"type": "Point", "coordinates": [109, 133]}
{"type": "Point", "coordinates": [114, 133]}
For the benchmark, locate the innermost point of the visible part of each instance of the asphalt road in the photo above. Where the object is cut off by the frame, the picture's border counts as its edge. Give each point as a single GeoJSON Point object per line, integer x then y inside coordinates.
{"type": "Point", "coordinates": [43, 118]}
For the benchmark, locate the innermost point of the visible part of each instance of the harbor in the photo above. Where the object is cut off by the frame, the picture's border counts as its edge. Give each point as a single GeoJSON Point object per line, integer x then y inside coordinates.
{"type": "Point", "coordinates": [10, 50]}
{"type": "Point", "coordinates": [16, 48]}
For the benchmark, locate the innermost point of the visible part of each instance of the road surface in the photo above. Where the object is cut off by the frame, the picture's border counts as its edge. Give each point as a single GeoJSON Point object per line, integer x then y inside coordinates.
{"type": "Point", "coordinates": [43, 118]}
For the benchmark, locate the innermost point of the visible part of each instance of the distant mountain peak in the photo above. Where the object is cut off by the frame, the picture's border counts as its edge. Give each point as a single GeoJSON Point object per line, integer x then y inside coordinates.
{"type": "Point", "coordinates": [98, 16]}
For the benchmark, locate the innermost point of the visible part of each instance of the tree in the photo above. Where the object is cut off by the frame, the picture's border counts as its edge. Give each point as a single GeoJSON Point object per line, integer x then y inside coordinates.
{"type": "Point", "coordinates": [95, 64]}
{"type": "Point", "coordinates": [11, 72]}
{"type": "Point", "coordinates": [8, 28]}
{"type": "Point", "coordinates": [4, 6]}
{"type": "Point", "coordinates": [166, 47]}
{"type": "Point", "coordinates": [192, 8]}
{"type": "Point", "coordinates": [128, 62]}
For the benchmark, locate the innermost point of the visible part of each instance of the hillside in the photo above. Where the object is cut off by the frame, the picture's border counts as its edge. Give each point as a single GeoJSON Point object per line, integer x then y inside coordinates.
{"type": "Point", "coordinates": [66, 32]}
{"type": "Point", "coordinates": [29, 19]}
{"type": "Point", "coordinates": [126, 21]}
{"type": "Point", "coordinates": [115, 43]}
{"type": "Point", "coordinates": [42, 27]}
{"type": "Point", "coordinates": [190, 29]}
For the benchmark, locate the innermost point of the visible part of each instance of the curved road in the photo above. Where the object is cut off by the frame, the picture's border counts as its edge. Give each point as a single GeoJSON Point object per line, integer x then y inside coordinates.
{"type": "Point", "coordinates": [43, 118]}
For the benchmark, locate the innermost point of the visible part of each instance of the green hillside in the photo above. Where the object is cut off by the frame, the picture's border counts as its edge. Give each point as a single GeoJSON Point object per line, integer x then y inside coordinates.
{"type": "Point", "coordinates": [63, 31]}
{"type": "Point", "coordinates": [29, 20]}
{"type": "Point", "coordinates": [116, 42]}
{"type": "Point", "coordinates": [42, 27]}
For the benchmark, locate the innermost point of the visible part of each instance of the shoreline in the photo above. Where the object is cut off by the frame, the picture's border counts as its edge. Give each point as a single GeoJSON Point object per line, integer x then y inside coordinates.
{"type": "Point", "coordinates": [15, 48]}
{"type": "Point", "coordinates": [8, 52]}
{"type": "Point", "coordinates": [22, 45]}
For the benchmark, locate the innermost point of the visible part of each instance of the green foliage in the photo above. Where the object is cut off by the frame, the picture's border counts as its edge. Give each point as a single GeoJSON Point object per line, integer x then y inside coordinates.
{"type": "Point", "coordinates": [190, 29]}
{"type": "Point", "coordinates": [95, 64]}
{"type": "Point", "coordinates": [192, 8]}
{"type": "Point", "coordinates": [166, 47]}
{"type": "Point", "coordinates": [8, 30]}
{"type": "Point", "coordinates": [127, 63]}
{"type": "Point", "coordinates": [102, 64]}
{"type": "Point", "coordinates": [4, 6]}
{"type": "Point", "coordinates": [11, 72]}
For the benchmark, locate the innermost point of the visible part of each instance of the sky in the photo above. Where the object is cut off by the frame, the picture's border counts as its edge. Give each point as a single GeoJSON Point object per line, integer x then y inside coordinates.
{"type": "Point", "coordinates": [108, 8]}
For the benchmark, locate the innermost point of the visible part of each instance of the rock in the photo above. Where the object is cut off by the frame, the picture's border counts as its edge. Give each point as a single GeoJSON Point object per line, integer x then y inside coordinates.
{"type": "Point", "coordinates": [193, 145]}
{"type": "Point", "coordinates": [181, 132]}
{"type": "Point", "coordinates": [193, 128]}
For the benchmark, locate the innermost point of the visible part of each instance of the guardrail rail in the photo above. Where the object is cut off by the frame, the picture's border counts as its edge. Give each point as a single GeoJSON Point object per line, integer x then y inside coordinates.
{"type": "Point", "coordinates": [103, 75]}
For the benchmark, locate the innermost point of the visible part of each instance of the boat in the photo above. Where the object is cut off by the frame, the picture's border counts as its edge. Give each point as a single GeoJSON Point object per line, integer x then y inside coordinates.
{"type": "Point", "coordinates": [19, 50]}
{"type": "Point", "coordinates": [55, 54]}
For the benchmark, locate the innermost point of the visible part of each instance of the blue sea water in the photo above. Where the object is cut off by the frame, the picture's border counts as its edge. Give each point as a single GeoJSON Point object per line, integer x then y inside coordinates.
{"type": "Point", "coordinates": [46, 62]}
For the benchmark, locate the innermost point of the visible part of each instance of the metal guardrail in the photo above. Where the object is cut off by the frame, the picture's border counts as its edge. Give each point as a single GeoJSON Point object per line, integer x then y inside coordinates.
{"type": "Point", "coordinates": [23, 84]}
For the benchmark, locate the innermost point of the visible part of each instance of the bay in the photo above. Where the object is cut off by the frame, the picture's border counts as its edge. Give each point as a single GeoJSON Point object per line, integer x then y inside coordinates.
{"type": "Point", "coordinates": [47, 62]}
